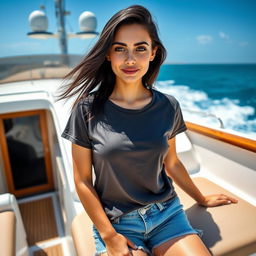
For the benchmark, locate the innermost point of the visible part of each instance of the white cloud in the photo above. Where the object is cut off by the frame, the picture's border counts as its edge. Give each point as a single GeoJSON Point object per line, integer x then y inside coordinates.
{"type": "Point", "coordinates": [223, 35]}
{"type": "Point", "coordinates": [204, 39]}
{"type": "Point", "coordinates": [242, 44]}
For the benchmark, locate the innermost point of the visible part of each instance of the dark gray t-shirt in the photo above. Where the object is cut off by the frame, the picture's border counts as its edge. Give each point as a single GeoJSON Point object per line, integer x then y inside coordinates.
{"type": "Point", "coordinates": [128, 148]}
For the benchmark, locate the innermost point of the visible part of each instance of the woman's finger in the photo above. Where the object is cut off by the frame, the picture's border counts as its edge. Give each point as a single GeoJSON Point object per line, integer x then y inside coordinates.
{"type": "Point", "coordinates": [229, 198]}
{"type": "Point", "coordinates": [131, 253]}
{"type": "Point", "coordinates": [222, 197]}
{"type": "Point", "coordinates": [131, 244]}
{"type": "Point", "coordinates": [233, 200]}
{"type": "Point", "coordinates": [223, 202]}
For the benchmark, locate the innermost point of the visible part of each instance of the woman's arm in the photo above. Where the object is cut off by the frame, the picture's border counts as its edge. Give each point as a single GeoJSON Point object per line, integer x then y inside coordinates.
{"type": "Point", "coordinates": [82, 167]}
{"type": "Point", "coordinates": [176, 170]}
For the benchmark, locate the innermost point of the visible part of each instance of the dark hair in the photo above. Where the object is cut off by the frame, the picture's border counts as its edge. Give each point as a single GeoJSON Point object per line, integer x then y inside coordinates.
{"type": "Point", "coordinates": [95, 70]}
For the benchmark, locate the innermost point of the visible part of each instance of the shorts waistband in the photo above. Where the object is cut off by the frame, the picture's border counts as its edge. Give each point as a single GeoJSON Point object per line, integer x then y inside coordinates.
{"type": "Point", "coordinates": [147, 207]}
{"type": "Point", "coordinates": [141, 211]}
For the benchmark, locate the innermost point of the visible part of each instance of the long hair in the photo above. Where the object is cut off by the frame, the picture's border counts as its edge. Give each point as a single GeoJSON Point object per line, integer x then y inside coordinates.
{"type": "Point", "coordinates": [95, 70]}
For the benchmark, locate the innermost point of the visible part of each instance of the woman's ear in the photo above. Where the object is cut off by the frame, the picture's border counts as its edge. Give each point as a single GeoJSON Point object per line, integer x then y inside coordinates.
{"type": "Point", "coordinates": [153, 54]}
{"type": "Point", "coordinates": [108, 58]}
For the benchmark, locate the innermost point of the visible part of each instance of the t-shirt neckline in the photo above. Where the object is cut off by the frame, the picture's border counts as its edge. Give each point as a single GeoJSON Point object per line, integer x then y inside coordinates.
{"type": "Point", "coordinates": [129, 110]}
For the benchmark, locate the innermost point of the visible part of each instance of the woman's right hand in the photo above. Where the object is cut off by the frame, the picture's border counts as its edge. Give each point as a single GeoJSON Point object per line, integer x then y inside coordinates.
{"type": "Point", "coordinates": [118, 245]}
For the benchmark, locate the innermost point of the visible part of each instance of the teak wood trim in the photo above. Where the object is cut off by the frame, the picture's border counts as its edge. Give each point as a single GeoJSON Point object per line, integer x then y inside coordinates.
{"type": "Point", "coordinates": [7, 166]}
{"type": "Point", "coordinates": [20, 114]}
{"type": "Point", "coordinates": [232, 139]}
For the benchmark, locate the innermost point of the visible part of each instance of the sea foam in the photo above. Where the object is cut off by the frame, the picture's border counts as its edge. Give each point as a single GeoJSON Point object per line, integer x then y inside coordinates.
{"type": "Point", "coordinates": [197, 107]}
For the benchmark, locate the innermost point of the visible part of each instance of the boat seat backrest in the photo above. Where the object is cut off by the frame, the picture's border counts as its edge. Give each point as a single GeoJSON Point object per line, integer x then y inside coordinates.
{"type": "Point", "coordinates": [186, 153]}
{"type": "Point", "coordinates": [7, 234]}
{"type": "Point", "coordinates": [9, 204]}
{"type": "Point", "coordinates": [83, 237]}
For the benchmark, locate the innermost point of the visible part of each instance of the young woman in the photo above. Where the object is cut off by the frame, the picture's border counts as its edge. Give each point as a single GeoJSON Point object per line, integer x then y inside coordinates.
{"type": "Point", "coordinates": [126, 130]}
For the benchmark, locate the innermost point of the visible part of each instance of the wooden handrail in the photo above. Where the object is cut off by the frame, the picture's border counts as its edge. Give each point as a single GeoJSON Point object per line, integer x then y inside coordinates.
{"type": "Point", "coordinates": [236, 140]}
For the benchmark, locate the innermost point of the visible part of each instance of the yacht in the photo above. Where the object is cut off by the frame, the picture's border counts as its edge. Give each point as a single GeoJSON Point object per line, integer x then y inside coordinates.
{"type": "Point", "coordinates": [40, 211]}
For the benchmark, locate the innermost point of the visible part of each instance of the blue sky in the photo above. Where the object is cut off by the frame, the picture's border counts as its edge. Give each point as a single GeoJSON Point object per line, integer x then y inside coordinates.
{"type": "Point", "coordinates": [193, 31]}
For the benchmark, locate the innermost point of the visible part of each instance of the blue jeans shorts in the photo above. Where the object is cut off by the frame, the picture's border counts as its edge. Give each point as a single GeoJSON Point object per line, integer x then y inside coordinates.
{"type": "Point", "coordinates": [150, 226]}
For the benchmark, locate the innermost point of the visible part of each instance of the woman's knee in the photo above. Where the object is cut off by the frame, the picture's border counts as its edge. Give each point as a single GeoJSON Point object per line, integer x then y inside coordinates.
{"type": "Point", "coordinates": [186, 245]}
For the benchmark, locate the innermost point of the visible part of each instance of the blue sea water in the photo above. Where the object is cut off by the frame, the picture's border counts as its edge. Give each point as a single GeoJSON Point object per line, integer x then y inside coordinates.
{"type": "Point", "coordinates": [225, 90]}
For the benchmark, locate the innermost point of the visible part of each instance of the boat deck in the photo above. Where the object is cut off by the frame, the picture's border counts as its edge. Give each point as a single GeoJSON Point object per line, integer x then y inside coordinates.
{"type": "Point", "coordinates": [43, 225]}
{"type": "Point", "coordinates": [39, 220]}
{"type": "Point", "coordinates": [55, 250]}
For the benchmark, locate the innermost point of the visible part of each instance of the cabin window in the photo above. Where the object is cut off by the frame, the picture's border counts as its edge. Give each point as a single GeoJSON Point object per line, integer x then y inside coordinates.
{"type": "Point", "coordinates": [27, 158]}
{"type": "Point", "coordinates": [26, 151]}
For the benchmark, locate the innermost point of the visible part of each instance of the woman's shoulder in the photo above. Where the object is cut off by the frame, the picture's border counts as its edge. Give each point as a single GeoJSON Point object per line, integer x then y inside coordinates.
{"type": "Point", "coordinates": [167, 97]}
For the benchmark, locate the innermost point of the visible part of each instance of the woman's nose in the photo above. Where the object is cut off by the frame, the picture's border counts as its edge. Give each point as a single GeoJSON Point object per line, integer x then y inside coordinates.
{"type": "Point", "coordinates": [130, 59]}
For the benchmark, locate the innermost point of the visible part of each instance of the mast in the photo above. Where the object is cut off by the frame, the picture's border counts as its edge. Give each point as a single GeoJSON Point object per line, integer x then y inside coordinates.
{"type": "Point", "coordinates": [60, 15]}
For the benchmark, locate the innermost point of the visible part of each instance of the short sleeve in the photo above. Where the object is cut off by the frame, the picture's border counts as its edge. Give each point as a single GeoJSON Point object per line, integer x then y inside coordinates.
{"type": "Point", "coordinates": [76, 129]}
{"type": "Point", "coordinates": [178, 123]}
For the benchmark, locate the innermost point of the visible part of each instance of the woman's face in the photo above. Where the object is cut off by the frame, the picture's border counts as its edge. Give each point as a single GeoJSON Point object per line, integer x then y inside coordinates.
{"type": "Point", "coordinates": [131, 53]}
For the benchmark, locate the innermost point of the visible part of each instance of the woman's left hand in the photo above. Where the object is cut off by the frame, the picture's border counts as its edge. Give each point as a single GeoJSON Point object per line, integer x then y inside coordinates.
{"type": "Point", "coordinates": [217, 199]}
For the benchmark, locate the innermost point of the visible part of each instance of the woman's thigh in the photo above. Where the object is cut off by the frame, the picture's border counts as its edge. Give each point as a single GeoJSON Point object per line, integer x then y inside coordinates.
{"type": "Point", "coordinates": [134, 253]}
{"type": "Point", "coordinates": [186, 245]}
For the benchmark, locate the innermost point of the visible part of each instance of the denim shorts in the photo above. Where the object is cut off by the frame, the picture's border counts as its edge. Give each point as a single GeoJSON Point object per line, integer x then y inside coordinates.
{"type": "Point", "coordinates": [150, 226]}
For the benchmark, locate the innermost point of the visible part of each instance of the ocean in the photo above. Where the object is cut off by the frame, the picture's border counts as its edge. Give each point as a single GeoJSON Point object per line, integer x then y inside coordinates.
{"type": "Point", "coordinates": [212, 94]}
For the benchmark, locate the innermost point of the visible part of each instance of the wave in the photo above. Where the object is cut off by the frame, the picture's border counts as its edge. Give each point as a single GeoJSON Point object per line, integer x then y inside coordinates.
{"type": "Point", "coordinates": [198, 107]}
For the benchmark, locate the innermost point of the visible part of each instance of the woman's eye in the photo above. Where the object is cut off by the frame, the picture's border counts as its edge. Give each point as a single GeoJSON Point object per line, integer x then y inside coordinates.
{"type": "Point", "coordinates": [119, 49]}
{"type": "Point", "coordinates": [141, 49]}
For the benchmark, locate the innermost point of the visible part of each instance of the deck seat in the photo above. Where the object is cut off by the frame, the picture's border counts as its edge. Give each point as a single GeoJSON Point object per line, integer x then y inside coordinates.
{"type": "Point", "coordinates": [82, 235]}
{"type": "Point", "coordinates": [7, 234]}
{"type": "Point", "coordinates": [229, 229]}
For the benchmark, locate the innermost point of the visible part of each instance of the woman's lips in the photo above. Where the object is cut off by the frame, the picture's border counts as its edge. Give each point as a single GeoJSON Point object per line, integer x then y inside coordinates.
{"type": "Point", "coordinates": [129, 71]}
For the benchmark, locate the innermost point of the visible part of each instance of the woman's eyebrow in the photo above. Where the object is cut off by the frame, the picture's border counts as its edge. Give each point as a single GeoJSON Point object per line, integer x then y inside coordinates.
{"type": "Point", "coordinates": [136, 44]}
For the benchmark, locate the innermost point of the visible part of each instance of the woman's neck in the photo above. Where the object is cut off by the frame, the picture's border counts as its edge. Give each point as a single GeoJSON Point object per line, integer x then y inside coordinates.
{"type": "Point", "coordinates": [129, 93]}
